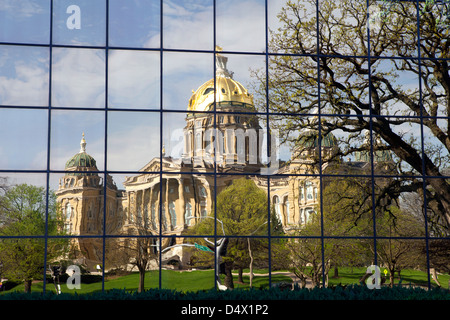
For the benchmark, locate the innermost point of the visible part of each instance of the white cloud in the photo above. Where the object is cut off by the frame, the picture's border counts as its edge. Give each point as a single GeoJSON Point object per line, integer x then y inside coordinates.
{"type": "Point", "coordinates": [27, 86]}
{"type": "Point", "coordinates": [23, 8]}
{"type": "Point", "coordinates": [187, 25]}
{"type": "Point", "coordinates": [133, 79]}
{"type": "Point", "coordinates": [132, 150]}
{"type": "Point", "coordinates": [78, 78]}
{"type": "Point", "coordinates": [133, 140]}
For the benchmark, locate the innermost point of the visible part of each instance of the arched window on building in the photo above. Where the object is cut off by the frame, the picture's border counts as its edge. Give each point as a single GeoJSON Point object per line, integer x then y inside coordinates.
{"type": "Point", "coordinates": [202, 191]}
{"type": "Point", "coordinates": [204, 213]}
{"type": "Point", "coordinates": [301, 191]}
{"type": "Point", "coordinates": [90, 212]}
{"type": "Point", "coordinates": [308, 214]}
{"type": "Point", "coordinates": [188, 213]}
{"type": "Point", "coordinates": [309, 191]}
{"type": "Point", "coordinates": [173, 214]}
{"type": "Point", "coordinates": [276, 202]}
{"type": "Point", "coordinates": [153, 216]}
{"type": "Point", "coordinates": [68, 211]}
{"type": "Point", "coordinates": [286, 206]}
{"type": "Point", "coordinates": [164, 218]}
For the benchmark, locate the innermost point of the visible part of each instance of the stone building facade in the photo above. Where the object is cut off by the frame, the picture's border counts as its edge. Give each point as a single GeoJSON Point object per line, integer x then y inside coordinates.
{"type": "Point", "coordinates": [218, 147]}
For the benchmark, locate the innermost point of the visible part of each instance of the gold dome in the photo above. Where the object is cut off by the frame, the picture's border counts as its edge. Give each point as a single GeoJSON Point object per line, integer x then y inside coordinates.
{"type": "Point", "coordinates": [227, 90]}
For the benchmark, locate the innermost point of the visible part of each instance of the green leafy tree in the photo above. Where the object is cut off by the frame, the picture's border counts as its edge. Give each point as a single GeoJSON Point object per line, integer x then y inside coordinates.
{"type": "Point", "coordinates": [242, 207]}
{"type": "Point", "coordinates": [329, 53]}
{"type": "Point", "coordinates": [23, 214]}
{"type": "Point", "coordinates": [395, 252]}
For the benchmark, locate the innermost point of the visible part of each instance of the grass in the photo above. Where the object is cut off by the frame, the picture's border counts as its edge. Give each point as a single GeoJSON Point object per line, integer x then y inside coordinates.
{"type": "Point", "coordinates": [204, 280]}
{"type": "Point", "coordinates": [174, 280]}
{"type": "Point", "coordinates": [408, 276]}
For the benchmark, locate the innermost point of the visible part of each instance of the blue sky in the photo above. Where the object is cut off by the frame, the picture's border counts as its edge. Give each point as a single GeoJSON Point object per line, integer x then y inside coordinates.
{"type": "Point", "coordinates": [78, 74]}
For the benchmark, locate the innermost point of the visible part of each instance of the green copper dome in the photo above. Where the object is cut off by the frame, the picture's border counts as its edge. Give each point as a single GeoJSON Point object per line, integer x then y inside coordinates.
{"type": "Point", "coordinates": [82, 161]}
{"type": "Point", "coordinates": [310, 139]}
{"type": "Point", "coordinates": [379, 155]}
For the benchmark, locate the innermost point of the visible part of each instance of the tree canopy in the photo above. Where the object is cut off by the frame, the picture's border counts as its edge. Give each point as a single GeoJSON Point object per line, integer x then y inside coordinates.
{"type": "Point", "coordinates": [23, 224]}
{"type": "Point", "coordinates": [353, 76]}
{"type": "Point", "coordinates": [242, 210]}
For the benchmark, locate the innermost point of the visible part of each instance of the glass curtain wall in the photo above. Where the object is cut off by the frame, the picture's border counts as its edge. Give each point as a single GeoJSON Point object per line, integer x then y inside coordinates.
{"type": "Point", "coordinates": [224, 144]}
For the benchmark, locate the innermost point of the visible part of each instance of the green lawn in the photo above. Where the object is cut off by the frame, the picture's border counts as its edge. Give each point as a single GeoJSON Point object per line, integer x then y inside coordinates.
{"type": "Point", "coordinates": [414, 277]}
{"type": "Point", "coordinates": [204, 280]}
{"type": "Point", "coordinates": [174, 280]}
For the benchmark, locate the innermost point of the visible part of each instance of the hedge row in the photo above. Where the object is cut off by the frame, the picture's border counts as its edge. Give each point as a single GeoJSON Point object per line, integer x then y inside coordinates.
{"type": "Point", "coordinates": [357, 292]}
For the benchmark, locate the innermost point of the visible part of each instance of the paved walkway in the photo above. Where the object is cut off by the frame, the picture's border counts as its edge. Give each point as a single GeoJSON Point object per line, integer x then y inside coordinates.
{"type": "Point", "coordinates": [295, 279]}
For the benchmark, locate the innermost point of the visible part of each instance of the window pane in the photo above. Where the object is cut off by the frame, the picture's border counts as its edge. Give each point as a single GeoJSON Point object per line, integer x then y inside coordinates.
{"type": "Point", "coordinates": [25, 21]}
{"type": "Point", "coordinates": [79, 22]}
{"type": "Point", "coordinates": [134, 23]}
{"type": "Point", "coordinates": [24, 76]}
{"type": "Point", "coordinates": [183, 73]}
{"type": "Point", "coordinates": [133, 140]}
{"type": "Point", "coordinates": [133, 79]}
{"type": "Point", "coordinates": [78, 78]}
{"type": "Point", "coordinates": [77, 136]}
{"type": "Point", "coordinates": [241, 25]}
{"type": "Point", "coordinates": [25, 133]}
{"type": "Point", "coordinates": [199, 261]}
{"type": "Point", "coordinates": [188, 24]}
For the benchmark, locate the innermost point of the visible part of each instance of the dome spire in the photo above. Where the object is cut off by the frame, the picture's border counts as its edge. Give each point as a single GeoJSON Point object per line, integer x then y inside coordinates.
{"type": "Point", "coordinates": [221, 65]}
{"type": "Point", "coordinates": [83, 145]}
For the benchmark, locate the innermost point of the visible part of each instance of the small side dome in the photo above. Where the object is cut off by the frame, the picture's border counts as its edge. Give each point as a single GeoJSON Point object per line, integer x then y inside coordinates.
{"type": "Point", "coordinates": [379, 155]}
{"type": "Point", "coordinates": [310, 139]}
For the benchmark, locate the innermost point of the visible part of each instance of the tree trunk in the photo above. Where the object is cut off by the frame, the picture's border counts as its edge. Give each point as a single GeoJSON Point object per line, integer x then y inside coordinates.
{"type": "Point", "coordinates": [27, 285]}
{"type": "Point", "coordinates": [407, 153]}
{"type": "Point", "coordinates": [251, 262]}
{"type": "Point", "coordinates": [336, 272]}
{"type": "Point", "coordinates": [240, 277]}
{"type": "Point", "coordinates": [228, 282]}
{"type": "Point", "coordinates": [141, 280]}
{"type": "Point", "coordinates": [391, 277]}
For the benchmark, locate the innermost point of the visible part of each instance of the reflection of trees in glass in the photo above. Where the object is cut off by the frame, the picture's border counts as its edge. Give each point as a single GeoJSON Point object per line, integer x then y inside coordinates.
{"type": "Point", "coordinates": [360, 93]}
{"type": "Point", "coordinates": [394, 252]}
{"type": "Point", "coordinates": [23, 213]}
{"type": "Point", "coordinates": [242, 208]}
{"type": "Point", "coordinates": [347, 211]}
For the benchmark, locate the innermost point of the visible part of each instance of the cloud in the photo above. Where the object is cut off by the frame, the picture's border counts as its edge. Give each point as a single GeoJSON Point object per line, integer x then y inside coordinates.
{"type": "Point", "coordinates": [23, 8]}
{"type": "Point", "coordinates": [78, 78]}
{"type": "Point", "coordinates": [187, 25]}
{"type": "Point", "coordinates": [133, 140]}
{"type": "Point", "coordinates": [133, 79]}
{"type": "Point", "coordinates": [241, 25]}
{"type": "Point", "coordinates": [24, 79]}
